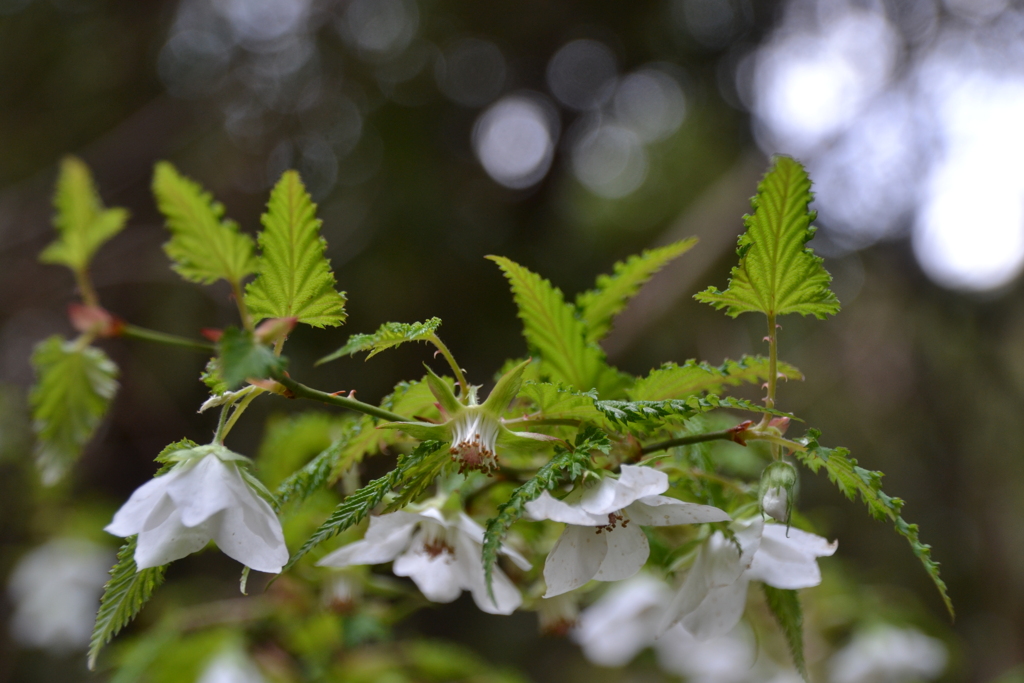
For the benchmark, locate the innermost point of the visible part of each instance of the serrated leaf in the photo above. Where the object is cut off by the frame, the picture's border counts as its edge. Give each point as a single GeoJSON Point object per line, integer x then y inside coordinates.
{"type": "Point", "coordinates": [785, 605]}
{"type": "Point", "coordinates": [853, 480]}
{"type": "Point", "coordinates": [123, 597]}
{"type": "Point", "coordinates": [241, 357]}
{"type": "Point", "coordinates": [418, 479]}
{"type": "Point", "coordinates": [600, 305]}
{"type": "Point", "coordinates": [565, 465]}
{"type": "Point", "coordinates": [777, 274]}
{"type": "Point", "coordinates": [72, 393]}
{"type": "Point", "coordinates": [387, 336]}
{"type": "Point", "coordinates": [295, 278]}
{"type": "Point", "coordinates": [204, 246]}
{"type": "Point", "coordinates": [316, 474]}
{"type": "Point", "coordinates": [211, 377]}
{"type": "Point", "coordinates": [637, 412]}
{"type": "Point", "coordinates": [553, 330]}
{"type": "Point", "coordinates": [82, 221]}
{"type": "Point", "coordinates": [559, 402]}
{"type": "Point", "coordinates": [693, 377]}
{"type": "Point", "coordinates": [359, 504]}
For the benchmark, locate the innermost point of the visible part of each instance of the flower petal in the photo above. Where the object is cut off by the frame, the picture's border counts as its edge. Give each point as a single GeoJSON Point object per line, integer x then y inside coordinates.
{"type": "Point", "coordinates": [547, 506]}
{"type": "Point", "coordinates": [719, 612]}
{"type": "Point", "coordinates": [574, 560]}
{"type": "Point", "coordinates": [250, 532]}
{"type": "Point", "coordinates": [443, 393]}
{"type": "Point", "coordinates": [628, 550]}
{"type": "Point", "coordinates": [622, 622]}
{"type": "Point", "coordinates": [665, 511]}
{"type": "Point", "coordinates": [203, 489]}
{"type": "Point", "coordinates": [468, 557]}
{"type": "Point", "coordinates": [387, 536]}
{"type": "Point", "coordinates": [130, 519]}
{"type": "Point", "coordinates": [789, 562]}
{"type": "Point", "coordinates": [611, 495]}
{"type": "Point", "coordinates": [163, 538]}
{"type": "Point", "coordinates": [437, 576]}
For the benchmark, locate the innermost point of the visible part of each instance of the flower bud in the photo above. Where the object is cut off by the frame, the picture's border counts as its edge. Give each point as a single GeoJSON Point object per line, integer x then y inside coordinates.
{"type": "Point", "coordinates": [777, 483]}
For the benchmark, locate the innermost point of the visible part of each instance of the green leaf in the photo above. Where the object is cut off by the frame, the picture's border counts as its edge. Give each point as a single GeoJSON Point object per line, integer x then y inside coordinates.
{"type": "Point", "coordinates": [82, 221]}
{"type": "Point", "coordinates": [559, 402]}
{"type": "Point", "coordinates": [387, 336]}
{"type": "Point", "coordinates": [785, 605]}
{"type": "Point", "coordinates": [295, 279]}
{"type": "Point", "coordinates": [316, 474]}
{"type": "Point", "coordinates": [692, 377]}
{"type": "Point", "coordinates": [600, 305]}
{"type": "Point", "coordinates": [166, 456]}
{"type": "Point", "coordinates": [72, 394]}
{"type": "Point", "coordinates": [243, 358]}
{"type": "Point", "coordinates": [777, 274]}
{"type": "Point", "coordinates": [852, 480]}
{"type": "Point", "coordinates": [505, 390]}
{"type": "Point", "coordinates": [565, 465]}
{"type": "Point", "coordinates": [419, 478]}
{"type": "Point", "coordinates": [359, 504]}
{"type": "Point", "coordinates": [204, 246]}
{"type": "Point", "coordinates": [123, 597]}
{"type": "Point", "coordinates": [553, 330]}
{"type": "Point", "coordinates": [634, 412]}
{"type": "Point", "coordinates": [211, 377]}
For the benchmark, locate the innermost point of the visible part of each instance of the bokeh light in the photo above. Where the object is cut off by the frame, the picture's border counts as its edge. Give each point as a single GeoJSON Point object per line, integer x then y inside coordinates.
{"type": "Point", "coordinates": [515, 140]}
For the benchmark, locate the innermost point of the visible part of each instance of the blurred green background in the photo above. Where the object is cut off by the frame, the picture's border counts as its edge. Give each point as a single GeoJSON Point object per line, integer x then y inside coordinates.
{"type": "Point", "coordinates": [565, 135]}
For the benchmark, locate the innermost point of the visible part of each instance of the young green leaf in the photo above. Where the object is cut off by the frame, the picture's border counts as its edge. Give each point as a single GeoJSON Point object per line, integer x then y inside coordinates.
{"type": "Point", "coordinates": [295, 279]}
{"type": "Point", "coordinates": [242, 357]}
{"type": "Point", "coordinates": [692, 377]}
{"type": "Point", "coordinates": [82, 221]}
{"type": "Point", "coordinates": [785, 605]}
{"type": "Point", "coordinates": [600, 305]}
{"type": "Point", "coordinates": [566, 465]}
{"type": "Point", "coordinates": [316, 474]}
{"type": "Point", "coordinates": [852, 480]}
{"type": "Point", "coordinates": [72, 394]}
{"type": "Point", "coordinates": [204, 246]}
{"type": "Point", "coordinates": [777, 274]}
{"type": "Point", "coordinates": [558, 336]}
{"type": "Point", "coordinates": [387, 336]}
{"type": "Point", "coordinates": [559, 402]}
{"type": "Point", "coordinates": [358, 505]}
{"type": "Point", "coordinates": [123, 597]}
{"type": "Point", "coordinates": [637, 412]}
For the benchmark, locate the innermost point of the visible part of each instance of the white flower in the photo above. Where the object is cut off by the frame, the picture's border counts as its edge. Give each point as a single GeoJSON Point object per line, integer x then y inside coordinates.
{"type": "Point", "coordinates": [56, 590]}
{"type": "Point", "coordinates": [603, 539]}
{"type": "Point", "coordinates": [625, 620]}
{"type": "Point", "coordinates": [202, 498]}
{"type": "Point", "coordinates": [231, 666]}
{"type": "Point", "coordinates": [442, 556]}
{"type": "Point", "coordinates": [711, 600]}
{"type": "Point", "coordinates": [888, 654]}
{"type": "Point", "coordinates": [774, 502]}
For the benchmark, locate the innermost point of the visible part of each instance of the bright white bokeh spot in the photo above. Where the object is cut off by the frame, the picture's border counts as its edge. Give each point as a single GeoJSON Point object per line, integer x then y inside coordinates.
{"type": "Point", "coordinates": [515, 140]}
{"type": "Point", "coordinates": [650, 103]}
{"type": "Point", "coordinates": [382, 27]}
{"type": "Point", "coordinates": [582, 74]}
{"type": "Point", "coordinates": [969, 233]}
{"type": "Point", "coordinates": [610, 161]}
{"type": "Point", "coordinates": [264, 20]}
{"type": "Point", "coordinates": [809, 86]}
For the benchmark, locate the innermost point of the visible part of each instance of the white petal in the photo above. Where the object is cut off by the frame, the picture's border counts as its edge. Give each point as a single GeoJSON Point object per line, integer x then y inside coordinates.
{"type": "Point", "coordinates": [438, 577]}
{"type": "Point", "coordinates": [469, 558]}
{"type": "Point", "coordinates": [789, 563]}
{"type": "Point", "coordinates": [163, 538]}
{"type": "Point", "coordinates": [628, 550]}
{"type": "Point", "coordinates": [547, 506]}
{"type": "Point", "coordinates": [129, 520]}
{"type": "Point", "coordinates": [719, 612]}
{"type": "Point", "coordinates": [475, 532]}
{"type": "Point", "coordinates": [622, 622]}
{"type": "Point", "coordinates": [387, 536]}
{"type": "Point", "coordinates": [574, 560]}
{"type": "Point", "coordinates": [250, 532]}
{"type": "Point", "coordinates": [203, 489]}
{"type": "Point", "coordinates": [665, 511]}
{"type": "Point", "coordinates": [611, 495]}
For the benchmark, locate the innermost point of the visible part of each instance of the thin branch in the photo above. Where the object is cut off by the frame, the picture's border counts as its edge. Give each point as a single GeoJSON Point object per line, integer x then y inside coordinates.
{"type": "Point", "coordinates": [723, 435]}
{"type": "Point", "coordinates": [302, 391]}
{"type": "Point", "coordinates": [142, 333]}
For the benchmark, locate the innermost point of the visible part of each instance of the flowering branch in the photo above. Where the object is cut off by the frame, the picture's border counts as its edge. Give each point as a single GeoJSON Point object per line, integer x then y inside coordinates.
{"type": "Point", "coordinates": [300, 390]}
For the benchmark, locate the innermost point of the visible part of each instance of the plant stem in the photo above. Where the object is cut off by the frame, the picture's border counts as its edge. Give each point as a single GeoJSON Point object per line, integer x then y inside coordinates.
{"type": "Point", "coordinates": [459, 377]}
{"type": "Point", "coordinates": [725, 435]}
{"type": "Point", "coordinates": [217, 434]}
{"type": "Point", "coordinates": [302, 391]}
{"type": "Point", "coordinates": [237, 412]}
{"type": "Point", "coordinates": [88, 292]}
{"type": "Point", "coordinates": [773, 360]}
{"type": "Point", "coordinates": [136, 332]}
{"type": "Point", "coordinates": [243, 311]}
